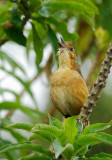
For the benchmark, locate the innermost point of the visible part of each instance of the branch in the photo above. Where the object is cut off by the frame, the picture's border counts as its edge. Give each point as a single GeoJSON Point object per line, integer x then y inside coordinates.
{"type": "Point", "coordinates": [97, 88]}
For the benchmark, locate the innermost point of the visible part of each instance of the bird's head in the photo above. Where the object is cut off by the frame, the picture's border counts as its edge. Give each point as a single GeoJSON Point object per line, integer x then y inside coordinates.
{"type": "Point", "coordinates": [66, 54]}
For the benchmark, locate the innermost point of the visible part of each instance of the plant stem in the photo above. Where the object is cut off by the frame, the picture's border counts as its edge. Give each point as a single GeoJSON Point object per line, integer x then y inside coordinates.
{"type": "Point", "coordinates": [97, 87]}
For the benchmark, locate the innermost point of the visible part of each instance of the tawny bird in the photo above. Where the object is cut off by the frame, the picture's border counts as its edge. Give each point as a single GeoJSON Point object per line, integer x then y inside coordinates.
{"type": "Point", "coordinates": [68, 89]}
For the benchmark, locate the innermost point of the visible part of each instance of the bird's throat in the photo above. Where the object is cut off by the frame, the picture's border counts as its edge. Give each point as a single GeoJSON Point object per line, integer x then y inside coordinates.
{"type": "Point", "coordinates": [64, 60]}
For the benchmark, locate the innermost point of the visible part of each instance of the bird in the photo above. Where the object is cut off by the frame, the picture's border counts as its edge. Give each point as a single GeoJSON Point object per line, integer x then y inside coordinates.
{"type": "Point", "coordinates": [68, 89]}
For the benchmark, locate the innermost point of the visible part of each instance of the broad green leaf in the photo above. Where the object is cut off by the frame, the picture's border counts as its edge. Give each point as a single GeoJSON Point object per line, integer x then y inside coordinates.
{"type": "Point", "coordinates": [24, 126]}
{"type": "Point", "coordinates": [103, 155]}
{"type": "Point", "coordinates": [42, 135]}
{"type": "Point", "coordinates": [79, 127]}
{"type": "Point", "coordinates": [34, 5]}
{"type": "Point", "coordinates": [44, 11]}
{"type": "Point", "coordinates": [16, 34]}
{"type": "Point", "coordinates": [96, 127]}
{"type": "Point", "coordinates": [35, 156]}
{"type": "Point", "coordinates": [25, 146]}
{"type": "Point", "coordinates": [75, 7]}
{"type": "Point", "coordinates": [58, 149]}
{"type": "Point", "coordinates": [55, 122]}
{"type": "Point", "coordinates": [11, 61]}
{"type": "Point", "coordinates": [40, 28]}
{"type": "Point", "coordinates": [87, 3]}
{"type": "Point", "coordinates": [29, 43]}
{"type": "Point", "coordinates": [62, 28]}
{"type": "Point", "coordinates": [4, 14]}
{"type": "Point", "coordinates": [54, 42]}
{"type": "Point", "coordinates": [68, 151]}
{"type": "Point", "coordinates": [52, 130]}
{"type": "Point", "coordinates": [10, 154]}
{"type": "Point", "coordinates": [38, 46]}
{"type": "Point", "coordinates": [91, 139]}
{"type": "Point", "coordinates": [71, 129]}
{"type": "Point", "coordinates": [28, 111]}
{"type": "Point", "coordinates": [15, 19]}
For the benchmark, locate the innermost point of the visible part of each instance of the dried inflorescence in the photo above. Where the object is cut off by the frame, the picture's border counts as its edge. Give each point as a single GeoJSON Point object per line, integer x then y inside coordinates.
{"type": "Point", "coordinates": [97, 88]}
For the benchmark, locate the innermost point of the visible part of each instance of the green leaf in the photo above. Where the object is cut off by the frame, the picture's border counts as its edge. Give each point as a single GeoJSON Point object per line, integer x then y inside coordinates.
{"type": "Point", "coordinates": [58, 149]}
{"type": "Point", "coordinates": [44, 11]}
{"type": "Point", "coordinates": [28, 111]}
{"type": "Point", "coordinates": [55, 122]}
{"type": "Point", "coordinates": [24, 126]}
{"type": "Point", "coordinates": [79, 127]}
{"type": "Point", "coordinates": [91, 139]}
{"type": "Point", "coordinates": [52, 130]}
{"type": "Point", "coordinates": [40, 28]}
{"type": "Point", "coordinates": [54, 42]}
{"type": "Point", "coordinates": [25, 146]}
{"type": "Point", "coordinates": [34, 5]}
{"type": "Point", "coordinates": [103, 155]}
{"type": "Point", "coordinates": [38, 46]}
{"type": "Point", "coordinates": [71, 129]}
{"type": "Point", "coordinates": [11, 61]}
{"type": "Point", "coordinates": [42, 135]}
{"type": "Point", "coordinates": [36, 156]}
{"type": "Point", "coordinates": [18, 136]}
{"type": "Point", "coordinates": [68, 151]}
{"type": "Point", "coordinates": [62, 28]}
{"type": "Point", "coordinates": [75, 7]}
{"type": "Point", "coordinates": [16, 34]}
{"type": "Point", "coordinates": [96, 127]}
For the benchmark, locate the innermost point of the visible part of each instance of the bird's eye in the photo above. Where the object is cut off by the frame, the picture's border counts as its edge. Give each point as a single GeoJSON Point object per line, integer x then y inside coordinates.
{"type": "Point", "coordinates": [71, 49]}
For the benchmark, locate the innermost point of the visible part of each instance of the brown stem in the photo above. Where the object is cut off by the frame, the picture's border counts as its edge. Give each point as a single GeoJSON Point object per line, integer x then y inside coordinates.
{"type": "Point", "coordinates": [97, 87]}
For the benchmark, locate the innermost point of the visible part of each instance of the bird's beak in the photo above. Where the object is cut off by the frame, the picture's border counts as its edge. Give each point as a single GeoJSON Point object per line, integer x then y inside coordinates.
{"type": "Point", "coordinates": [62, 43]}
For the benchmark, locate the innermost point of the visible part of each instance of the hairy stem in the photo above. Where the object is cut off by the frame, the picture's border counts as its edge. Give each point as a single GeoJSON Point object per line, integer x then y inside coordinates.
{"type": "Point", "coordinates": [97, 87]}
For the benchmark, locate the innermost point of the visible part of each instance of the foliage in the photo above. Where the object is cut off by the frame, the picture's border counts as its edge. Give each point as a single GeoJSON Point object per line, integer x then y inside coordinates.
{"type": "Point", "coordinates": [91, 34]}
{"type": "Point", "coordinates": [63, 138]}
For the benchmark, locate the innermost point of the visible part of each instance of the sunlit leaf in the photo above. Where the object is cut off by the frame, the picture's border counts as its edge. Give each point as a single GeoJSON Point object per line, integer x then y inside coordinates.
{"type": "Point", "coordinates": [42, 135]}
{"type": "Point", "coordinates": [71, 129]}
{"type": "Point", "coordinates": [96, 127]}
{"type": "Point", "coordinates": [25, 146]}
{"type": "Point", "coordinates": [52, 130]}
{"type": "Point", "coordinates": [55, 122]}
{"type": "Point", "coordinates": [36, 156]}
{"type": "Point", "coordinates": [24, 126]}
{"type": "Point", "coordinates": [28, 111]}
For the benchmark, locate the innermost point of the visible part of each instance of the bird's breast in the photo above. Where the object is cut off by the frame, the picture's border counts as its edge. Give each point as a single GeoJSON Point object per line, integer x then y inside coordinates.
{"type": "Point", "coordinates": [68, 91]}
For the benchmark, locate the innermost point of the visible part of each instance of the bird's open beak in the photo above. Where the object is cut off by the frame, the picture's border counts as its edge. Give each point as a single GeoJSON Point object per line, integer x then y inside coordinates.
{"type": "Point", "coordinates": [62, 43]}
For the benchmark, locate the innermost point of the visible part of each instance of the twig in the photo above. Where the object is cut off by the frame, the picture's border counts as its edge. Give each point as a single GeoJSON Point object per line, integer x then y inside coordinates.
{"type": "Point", "coordinates": [97, 88]}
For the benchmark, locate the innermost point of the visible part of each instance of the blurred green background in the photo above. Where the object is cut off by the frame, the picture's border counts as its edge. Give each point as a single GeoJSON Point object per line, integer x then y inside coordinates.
{"type": "Point", "coordinates": [29, 32]}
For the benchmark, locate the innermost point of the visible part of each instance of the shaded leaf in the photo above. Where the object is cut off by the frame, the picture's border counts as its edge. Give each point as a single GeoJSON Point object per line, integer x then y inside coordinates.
{"type": "Point", "coordinates": [38, 46]}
